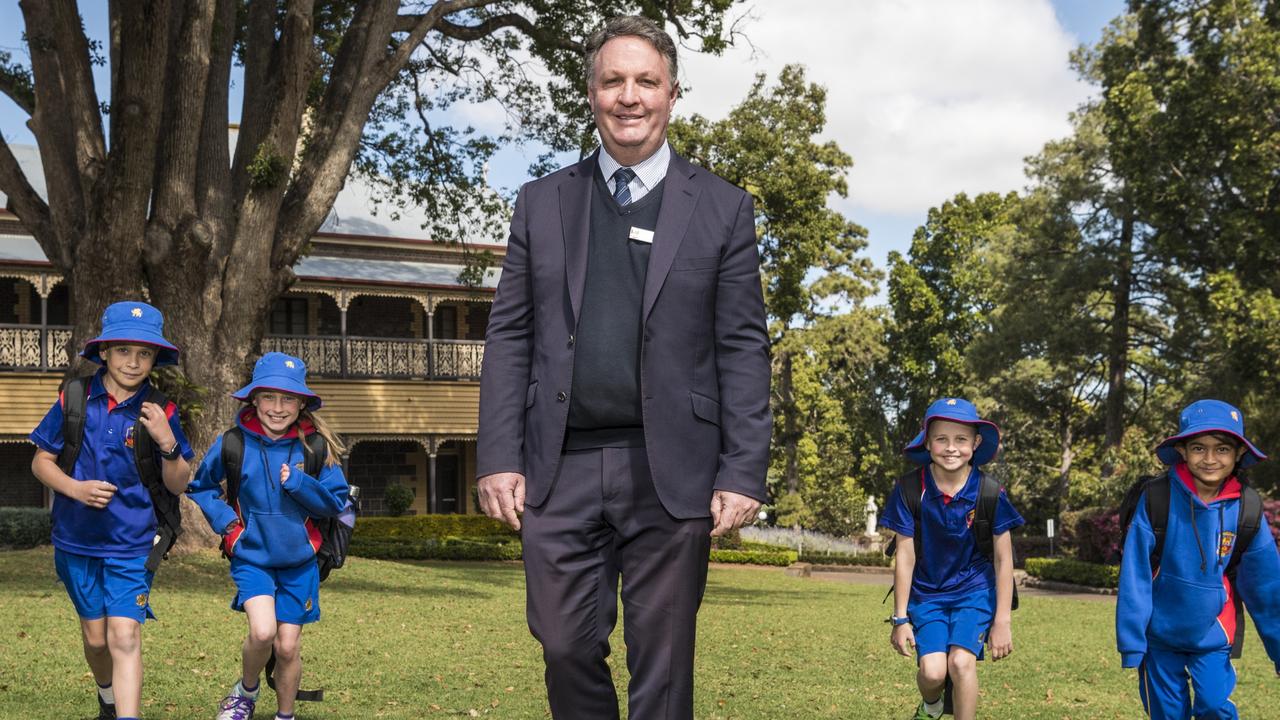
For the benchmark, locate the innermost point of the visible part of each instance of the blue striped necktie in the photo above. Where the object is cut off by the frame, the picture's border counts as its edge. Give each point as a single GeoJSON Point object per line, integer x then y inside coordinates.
{"type": "Point", "coordinates": [622, 185]}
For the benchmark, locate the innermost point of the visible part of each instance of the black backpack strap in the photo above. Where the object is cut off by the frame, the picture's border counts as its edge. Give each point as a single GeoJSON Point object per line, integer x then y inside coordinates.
{"type": "Point", "coordinates": [910, 487]}
{"type": "Point", "coordinates": [232, 463]}
{"type": "Point", "coordinates": [302, 695]}
{"type": "Point", "coordinates": [167, 505]}
{"type": "Point", "coordinates": [1157, 499]}
{"type": "Point", "coordinates": [75, 398]}
{"type": "Point", "coordinates": [984, 524]}
{"type": "Point", "coordinates": [316, 452]}
{"type": "Point", "coordinates": [1247, 526]}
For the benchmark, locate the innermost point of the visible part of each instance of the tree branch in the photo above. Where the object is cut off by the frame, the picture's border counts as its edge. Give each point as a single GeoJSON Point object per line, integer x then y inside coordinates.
{"type": "Point", "coordinates": [15, 83]}
{"type": "Point", "coordinates": [80, 98]}
{"type": "Point", "coordinates": [31, 209]}
{"type": "Point", "coordinates": [497, 22]}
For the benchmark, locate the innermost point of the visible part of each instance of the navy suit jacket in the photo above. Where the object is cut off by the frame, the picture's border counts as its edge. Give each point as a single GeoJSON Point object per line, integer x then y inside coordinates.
{"type": "Point", "coordinates": [704, 365]}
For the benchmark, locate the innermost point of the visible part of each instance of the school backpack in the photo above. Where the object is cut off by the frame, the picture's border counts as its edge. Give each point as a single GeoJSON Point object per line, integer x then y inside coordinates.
{"type": "Point", "coordinates": [168, 510]}
{"type": "Point", "coordinates": [335, 532]}
{"type": "Point", "coordinates": [1155, 491]}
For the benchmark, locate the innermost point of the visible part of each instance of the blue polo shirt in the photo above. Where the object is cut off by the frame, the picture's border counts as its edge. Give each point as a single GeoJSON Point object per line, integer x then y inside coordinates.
{"type": "Point", "coordinates": [126, 527]}
{"type": "Point", "coordinates": [952, 565]}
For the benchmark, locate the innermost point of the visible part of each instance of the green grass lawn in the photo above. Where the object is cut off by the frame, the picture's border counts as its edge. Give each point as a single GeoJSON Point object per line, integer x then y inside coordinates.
{"type": "Point", "coordinates": [408, 640]}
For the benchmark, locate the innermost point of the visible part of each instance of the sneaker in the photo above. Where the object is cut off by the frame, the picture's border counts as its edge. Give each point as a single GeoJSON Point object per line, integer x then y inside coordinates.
{"type": "Point", "coordinates": [921, 714]}
{"type": "Point", "coordinates": [236, 707]}
{"type": "Point", "coordinates": [106, 711]}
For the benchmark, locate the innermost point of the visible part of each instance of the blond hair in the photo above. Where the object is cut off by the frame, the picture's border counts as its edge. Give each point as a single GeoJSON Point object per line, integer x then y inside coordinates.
{"type": "Point", "coordinates": [336, 448]}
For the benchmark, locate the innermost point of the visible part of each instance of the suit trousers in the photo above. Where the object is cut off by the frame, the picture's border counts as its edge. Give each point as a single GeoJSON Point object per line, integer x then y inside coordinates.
{"type": "Point", "coordinates": [603, 521]}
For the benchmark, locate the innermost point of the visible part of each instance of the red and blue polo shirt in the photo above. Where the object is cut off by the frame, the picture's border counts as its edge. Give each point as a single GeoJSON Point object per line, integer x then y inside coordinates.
{"type": "Point", "coordinates": [951, 566]}
{"type": "Point", "coordinates": [126, 527]}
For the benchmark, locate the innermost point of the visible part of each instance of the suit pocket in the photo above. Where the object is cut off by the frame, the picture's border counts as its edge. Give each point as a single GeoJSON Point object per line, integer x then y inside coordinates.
{"type": "Point", "coordinates": [706, 262]}
{"type": "Point", "coordinates": [531, 394]}
{"type": "Point", "coordinates": [705, 408]}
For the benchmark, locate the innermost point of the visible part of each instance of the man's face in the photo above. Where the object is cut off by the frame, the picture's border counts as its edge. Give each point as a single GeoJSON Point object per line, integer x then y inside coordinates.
{"type": "Point", "coordinates": [631, 95]}
{"type": "Point", "coordinates": [1210, 458]}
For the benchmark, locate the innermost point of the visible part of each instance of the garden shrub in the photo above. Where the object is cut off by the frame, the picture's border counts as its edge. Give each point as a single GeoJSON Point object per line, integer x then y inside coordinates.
{"type": "Point", "coordinates": [1272, 508]}
{"type": "Point", "coordinates": [780, 558]}
{"type": "Point", "coordinates": [1092, 534]}
{"type": "Point", "coordinates": [24, 527]}
{"type": "Point", "coordinates": [835, 558]}
{"type": "Point", "coordinates": [398, 499]}
{"type": "Point", "coordinates": [447, 548]}
{"type": "Point", "coordinates": [430, 527]}
{"type": "Point", "coordinates": [1074, 571]}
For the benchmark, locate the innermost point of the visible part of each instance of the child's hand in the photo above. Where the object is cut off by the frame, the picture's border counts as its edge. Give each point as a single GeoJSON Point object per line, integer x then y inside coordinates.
{"type": "Point", "coordinates": [1001, 639]}
{"type": "Point", "coordinates": [153, 418]}
{"type": "Point", "coordinates": [94, 493]}
{"type": "Point", "coordinates": [284, 472]}
{"type": "Point", "coordinates": [903, 640]}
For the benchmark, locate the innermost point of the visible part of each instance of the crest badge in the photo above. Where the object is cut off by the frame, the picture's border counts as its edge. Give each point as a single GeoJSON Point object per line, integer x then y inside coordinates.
{"type": "Point", "coordinates": [300, 466]}
{"type": "Point", "coordinates": [1235, 416]}
{"type": "Point", "coordinates": [136, 312]}
{"type": "Point", "coordinates": [952, 401]}
{"type": "Point", "coordinates": [1225, 544]}
{"type": "Point", "coordinates": [308, 605]}
{"type": "Point", "coordinates": [289, 364]}
{"type": "Point", "coordinates": [968, 519]}
{"type": "Point", "coordinates": [141, 599]}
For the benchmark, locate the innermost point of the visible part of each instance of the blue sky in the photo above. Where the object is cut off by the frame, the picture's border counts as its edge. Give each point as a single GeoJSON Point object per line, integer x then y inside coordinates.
{"type": "Point", "coordinates": [930, 97]}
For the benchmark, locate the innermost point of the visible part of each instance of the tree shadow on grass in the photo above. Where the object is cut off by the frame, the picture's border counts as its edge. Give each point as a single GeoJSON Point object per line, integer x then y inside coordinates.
{"type": "Point", "coordinates": [408, 588]}
{"type": "Point", "coordinates": [497, 574]}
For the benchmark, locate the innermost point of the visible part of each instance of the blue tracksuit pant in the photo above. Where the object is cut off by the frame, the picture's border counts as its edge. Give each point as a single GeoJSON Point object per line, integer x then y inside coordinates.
{"type": "Point", "coordinates": [1162, 682]}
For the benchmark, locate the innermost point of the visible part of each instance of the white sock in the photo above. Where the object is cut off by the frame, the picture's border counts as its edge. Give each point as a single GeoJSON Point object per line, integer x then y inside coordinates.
{"type": "Point", "coordinates": [934, 708]}
{"type": "Point", "coordinates": [239, 690]}
{"type": "Point", "coordinates": [107, 694]}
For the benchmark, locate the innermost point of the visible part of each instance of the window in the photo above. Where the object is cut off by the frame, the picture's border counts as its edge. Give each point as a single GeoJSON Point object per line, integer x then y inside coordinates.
{"type": "Point", "coordinates": [444, 323]}
{"type": "Point", "coordinates": [289, 316]}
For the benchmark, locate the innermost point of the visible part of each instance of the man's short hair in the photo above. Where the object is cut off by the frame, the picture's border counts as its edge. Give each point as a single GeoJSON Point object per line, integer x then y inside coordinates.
{"type": "Point", "coordinates": [637, 26]}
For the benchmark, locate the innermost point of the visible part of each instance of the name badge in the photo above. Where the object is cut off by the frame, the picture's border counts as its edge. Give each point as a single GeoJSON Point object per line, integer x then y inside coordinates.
{"type": "Point", "coordinates": [641, 235]}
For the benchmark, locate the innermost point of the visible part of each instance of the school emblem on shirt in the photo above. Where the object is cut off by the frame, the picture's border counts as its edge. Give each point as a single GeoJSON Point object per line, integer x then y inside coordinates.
{"type": "Point", "coordinates": [300, 466]}
{"type": "Point", "coordinates": [1224, 545]}
{"type": "Point", "coordinates": [968, 519]}
{"type": "Point", "coordinates": [308, 605]}
{"type": "Point", "coordinates": [141, 599]}
{"type": "Point", "coordinates": [128, 436]}
{"type": "Point", "coordinates": [136, 312]}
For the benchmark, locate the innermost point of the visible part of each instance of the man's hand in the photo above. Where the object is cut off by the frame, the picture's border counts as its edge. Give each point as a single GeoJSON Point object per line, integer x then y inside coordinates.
{"type": "Point", "coordinates": [502, 497]}
{"type": "Point", "coordinates": [903, 639]}
{"type": "Point", "coordinates": [1001, 639]}
{"type": "Point", "coordinates": [153, 418]}
{"type": "Point", "coordinates": [730, 511]}
{"type": "Point", "coordinates": [94, 493]}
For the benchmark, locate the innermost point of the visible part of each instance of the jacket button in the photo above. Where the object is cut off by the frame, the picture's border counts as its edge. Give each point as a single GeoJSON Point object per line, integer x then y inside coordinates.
{"type": "Point", "coordinates": [571, 341]}
{"type": "Point", "coordinates": [561, 396]}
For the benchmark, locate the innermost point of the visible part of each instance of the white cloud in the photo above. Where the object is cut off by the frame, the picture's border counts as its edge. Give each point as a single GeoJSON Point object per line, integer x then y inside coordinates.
{"type": "Point", "coordinates": [930, 97]}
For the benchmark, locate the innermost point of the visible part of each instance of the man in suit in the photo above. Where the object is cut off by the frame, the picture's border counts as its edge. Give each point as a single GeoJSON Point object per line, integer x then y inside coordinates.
{"type": "Point", "coordinates": [624, 399]}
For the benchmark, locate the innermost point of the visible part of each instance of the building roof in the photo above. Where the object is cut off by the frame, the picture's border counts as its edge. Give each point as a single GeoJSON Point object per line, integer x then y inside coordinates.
{"type": "Point", "coordinates": [391, 272]}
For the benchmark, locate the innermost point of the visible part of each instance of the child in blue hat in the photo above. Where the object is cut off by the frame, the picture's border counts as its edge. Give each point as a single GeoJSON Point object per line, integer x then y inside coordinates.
{"type": "Point", "coordinates": [268, 533]}
{"type": "Point", "coordinates": [1176, 614]}
{"type": "Point", "coordinates": [950, 598]}
{"type": "Point", "coordinates": [104, 521]}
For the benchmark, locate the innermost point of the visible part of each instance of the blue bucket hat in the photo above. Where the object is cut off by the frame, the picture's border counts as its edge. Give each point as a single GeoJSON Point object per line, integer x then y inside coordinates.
{"type": "Point", "coordinates": [282, 373]}
{"type": "Point", "coordinates": [136, 323]}
{"type": "Point", "coordinates": [1209, 416]}
{"type": "Point", "coordinates": [961, 411]}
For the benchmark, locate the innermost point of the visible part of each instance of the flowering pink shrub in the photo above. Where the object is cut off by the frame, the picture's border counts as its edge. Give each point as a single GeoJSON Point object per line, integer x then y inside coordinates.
{"type": "Point", "coordinates": [1272, 510]}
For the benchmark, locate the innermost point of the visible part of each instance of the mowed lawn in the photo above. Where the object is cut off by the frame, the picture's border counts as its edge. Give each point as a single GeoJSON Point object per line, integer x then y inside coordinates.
{"type": "Point", "coordinates": [411, 640]}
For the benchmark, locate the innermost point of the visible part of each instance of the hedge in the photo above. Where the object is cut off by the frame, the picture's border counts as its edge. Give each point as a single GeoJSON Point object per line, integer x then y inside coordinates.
{"type": "Point", "coordinates": [781, 558]}
{"type": "Point", "coordinates": [449, 548]}
{"type": "Point", "coordinates": [430, 527]}
{"type": "Point", "coordinates": [1074, 571]}
{"type": "Point", "coordinates": [24, 527]}
{"type": "Point", "coordinates": [862, 559]}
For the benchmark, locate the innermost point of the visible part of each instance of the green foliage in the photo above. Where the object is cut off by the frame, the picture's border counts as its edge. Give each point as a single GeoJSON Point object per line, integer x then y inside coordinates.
{"type": "Point", "coordinates": [1074, 571]}
{"type": "Point", "coordinates": [779, 558]}
{"type": "Point", "coordinates": [398, 499]}
{"type": "Point", "coordinates": [447, 548]}
{"type": "Point", "coordinates": [858, 560]}
{"type": "Point", "coordinates": [268, 168]}
{"type": "Point", "coordinates": [24, 527]}
{"type": "Point", "coordinates": [791, 511]}
{"type": "Point", "coordinates": [430, 527]}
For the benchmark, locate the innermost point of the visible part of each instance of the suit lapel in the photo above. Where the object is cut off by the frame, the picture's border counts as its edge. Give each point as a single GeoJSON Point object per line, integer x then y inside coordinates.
{"type": "Point", "coordinates": [575, 219]}
{"type": "Point", "coordinates": [679, 197]}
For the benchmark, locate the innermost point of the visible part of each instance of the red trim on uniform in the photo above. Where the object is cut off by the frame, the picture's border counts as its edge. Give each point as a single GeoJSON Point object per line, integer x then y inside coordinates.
{"type": "Point", "coordinates": [237, 530]}
{"type": "Point", "coordinates": [111, 403]}
{"type": "Point", "coordinates": [1227, 618]}
{"type": "Point", "coordinates": [313, 535]}
{"type": "Point", "coordinates": [169, 410]}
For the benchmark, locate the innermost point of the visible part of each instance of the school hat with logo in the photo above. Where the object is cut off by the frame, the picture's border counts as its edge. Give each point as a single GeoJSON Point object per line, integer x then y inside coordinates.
{"type": "Point", "coordinates": [1209, 416]}
{"type": "Point", "coordinates": [961, 411]}
{"type": "Point", "coordinates": [282, 373]}
{"type": "Point", "coordinates": [136, 323]}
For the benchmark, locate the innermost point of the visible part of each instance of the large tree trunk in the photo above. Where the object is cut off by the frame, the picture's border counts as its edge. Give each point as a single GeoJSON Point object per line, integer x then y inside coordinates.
{"type": "Point", "coordinates": [1118, 344]}
{"type": "Point", "coordinates": [790, 436]}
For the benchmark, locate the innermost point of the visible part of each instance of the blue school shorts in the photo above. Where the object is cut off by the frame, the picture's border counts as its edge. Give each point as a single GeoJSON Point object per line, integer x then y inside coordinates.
{"type": "Point", "coordinates": [296, 589]}
{"type": "Point", "coordinates": [106, 587]}
{"type": "Point", "coordinates": [940, 625]}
